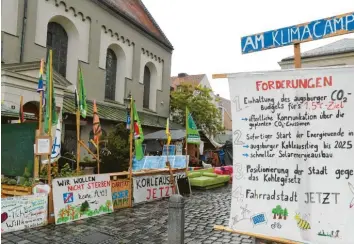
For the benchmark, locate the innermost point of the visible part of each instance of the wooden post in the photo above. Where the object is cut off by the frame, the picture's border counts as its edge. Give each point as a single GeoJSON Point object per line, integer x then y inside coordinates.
{"type": "Point", "coordinates": [36, 161]}
{"type": "Point", "coordinates": [297, 56]}
{"type": "Point", "coordinates": [172, 181]}
{"type": "Point", "coordinates": [78, 146]}
{"type": "Point", "coordinates": [98, 156]}
{"type": "Point", "coordinates": [37, 158]}
{"type": "Point", "coordinates": [131, 153]}
{"type": "Point", "coordinates": [49, 171]}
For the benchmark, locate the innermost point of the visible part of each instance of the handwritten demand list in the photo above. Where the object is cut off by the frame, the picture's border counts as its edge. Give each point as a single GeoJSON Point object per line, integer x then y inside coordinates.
{"type": "Point", "coordinates": [293, 134]}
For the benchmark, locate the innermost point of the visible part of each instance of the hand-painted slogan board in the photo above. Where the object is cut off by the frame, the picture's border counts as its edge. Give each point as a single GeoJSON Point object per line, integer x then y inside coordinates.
{"type": "Point", "coordinates": [314, 30]}
{"type": "Point", "coordinates": [81, 197]}
{"type": "Point", "coordinates": [293, 138]}
{"type": "Point", "coordinates": [120, 193]}
{"type": "Point", "coordinates": [153, 187]}
{"type": "Point", "coordinates": [18, 213]}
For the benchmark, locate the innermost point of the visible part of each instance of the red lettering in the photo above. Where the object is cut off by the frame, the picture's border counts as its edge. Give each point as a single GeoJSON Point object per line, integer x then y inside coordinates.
{"type": "Point", "coordinates": [154, 193]}
{"type": "Point", "coordinates": [318, 84]}
{"type": "Point", "coordinates": [279, 84]}
{"type": "Point", "coordinates": [76, 187]}
{"type": "Point", "coordinates": [288, 83]}
{"type": "Point", "coordinates": [167, 188]}
{"type": "Point", "coordinates": [315, 82]}
{"type": "Point", "coordinates": [271, 84]}
{"type": "Point", "coordinates": [258, 82]}
{"type": "Point", "coordinates": [149, 195]}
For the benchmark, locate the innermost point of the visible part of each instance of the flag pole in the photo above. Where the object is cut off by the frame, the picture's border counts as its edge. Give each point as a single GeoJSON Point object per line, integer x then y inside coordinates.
{"type": "Point", "coordinates": [187, 163]}
{"type": "Point", "coordinates": [131, 151]}
{"type": "Point", "coordinates": [98, 156]}
{"type": "Point", "coordinates": [39, 132]}
{"type": "Point", "coordinates": [50, 197]}
{"type": "Point", "coordinates": [50, 113]}
{"type": "Point", "coordinates": [168, 162]}
{"type": "Point", "coordinates": [78, 146]}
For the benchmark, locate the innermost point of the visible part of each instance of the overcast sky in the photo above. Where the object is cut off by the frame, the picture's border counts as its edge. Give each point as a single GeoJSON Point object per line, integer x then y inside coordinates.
{"type": "Point", "coordinates": [206, 34]}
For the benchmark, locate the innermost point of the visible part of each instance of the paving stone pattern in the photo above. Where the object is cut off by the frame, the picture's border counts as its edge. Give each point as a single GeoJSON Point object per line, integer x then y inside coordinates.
{"type": "Point", "coordinates": [145, 224]}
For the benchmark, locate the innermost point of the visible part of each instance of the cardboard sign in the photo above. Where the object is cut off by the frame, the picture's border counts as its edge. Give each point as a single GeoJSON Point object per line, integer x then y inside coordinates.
{"type": "Point", "coordinates": [153, 187]}
{"type": "Point", "coordinates": [293, 137]}
{"type": "Point", "coordinates": [81, 197]}
{"type": "Point", "coordinates": [18, 213]}
{"type": "Point", "coordinates": [120, 193]}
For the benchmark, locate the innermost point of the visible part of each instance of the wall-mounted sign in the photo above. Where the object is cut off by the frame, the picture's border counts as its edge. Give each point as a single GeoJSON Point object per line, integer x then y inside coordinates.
{"type": "Point", "coordinates": [81, 197]}
{"type": "Point", "coordinates": [120, 193]}
{"type": "Point", "coordinates": [314, 30]}
{"type": "Point", "coordinates": [43, 145]}
{"type": "Point", "coordinates": [18, 213]}
{"type": "Point", "coordinates": [153, 187]}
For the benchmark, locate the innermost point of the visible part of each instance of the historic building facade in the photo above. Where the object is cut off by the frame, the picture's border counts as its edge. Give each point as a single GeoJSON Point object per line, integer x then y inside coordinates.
{"type": "Point", "coordinates": [117, 43]}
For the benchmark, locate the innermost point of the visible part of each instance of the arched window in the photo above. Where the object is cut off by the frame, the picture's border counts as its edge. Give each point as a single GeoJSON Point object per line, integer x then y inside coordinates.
{"type": "Point", "coordinates": [147, 78]}
{"type": "Point", "coordinates": [111, 71]}
{"type": "Point", "coordinates": [57, 40]}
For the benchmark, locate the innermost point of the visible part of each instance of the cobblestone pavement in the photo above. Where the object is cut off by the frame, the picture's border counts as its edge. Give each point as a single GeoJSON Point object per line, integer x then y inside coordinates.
{"type": "Point", "coordinates": [146, 223]}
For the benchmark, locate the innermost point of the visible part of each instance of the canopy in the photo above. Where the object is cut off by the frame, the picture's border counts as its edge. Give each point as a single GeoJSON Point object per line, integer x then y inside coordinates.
{"type": "Point", "coordinates": [161, 135]}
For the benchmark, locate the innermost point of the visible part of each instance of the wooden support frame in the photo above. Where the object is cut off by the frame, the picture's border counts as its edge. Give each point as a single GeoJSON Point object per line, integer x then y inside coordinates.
{"type": "Point", "coordinates": [257, 236]}
{"type": "Point", "coordinates": [297, 56]}
{"type": "Point", "coordinates": [88, 150]}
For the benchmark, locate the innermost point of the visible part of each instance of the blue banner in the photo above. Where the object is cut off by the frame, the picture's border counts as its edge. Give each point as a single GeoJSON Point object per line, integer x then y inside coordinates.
{"type": "Point", "coordinates": [314, 30]}
{"type": "Point", "coordinates": [159, 162]}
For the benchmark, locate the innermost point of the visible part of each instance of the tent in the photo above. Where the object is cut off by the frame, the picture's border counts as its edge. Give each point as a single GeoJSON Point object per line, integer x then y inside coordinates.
{"type": "Point", "coordinates": [228, 152]}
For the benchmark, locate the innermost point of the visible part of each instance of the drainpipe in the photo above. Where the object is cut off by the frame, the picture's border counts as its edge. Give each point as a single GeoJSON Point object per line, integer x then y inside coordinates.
{"type": "Point", "coordinates": [23, 33]}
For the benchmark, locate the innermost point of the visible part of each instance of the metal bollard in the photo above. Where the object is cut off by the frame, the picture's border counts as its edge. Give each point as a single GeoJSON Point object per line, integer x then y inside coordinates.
{"type": "Point", "coordinates": [176, 220]}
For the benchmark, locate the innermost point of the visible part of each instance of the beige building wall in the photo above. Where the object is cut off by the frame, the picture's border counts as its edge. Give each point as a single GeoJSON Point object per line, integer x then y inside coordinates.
{"type": "Point", "coordinates": [91, 28]}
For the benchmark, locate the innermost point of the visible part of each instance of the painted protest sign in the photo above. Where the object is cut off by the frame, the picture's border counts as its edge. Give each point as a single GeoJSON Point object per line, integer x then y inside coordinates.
{"type": "Point", "coordinates": [81, 197]}
{"type": "Point", "coordinates": [18, 213]}
{"type": "Point", "coordinates": [153, 187]}
{"type": "Point", "coordinates": [120, 193]}
{"type": "Point", "coordinates": [293, 137]}
{"type": "Point", "coordinates": [314, 30]}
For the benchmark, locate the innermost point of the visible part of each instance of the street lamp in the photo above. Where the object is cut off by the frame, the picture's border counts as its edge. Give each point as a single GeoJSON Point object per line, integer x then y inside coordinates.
{"type": "Point", "coordinates": [127, 101]}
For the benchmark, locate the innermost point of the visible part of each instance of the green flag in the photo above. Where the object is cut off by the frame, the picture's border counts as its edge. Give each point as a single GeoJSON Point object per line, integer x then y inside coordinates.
{"type": "Point", "coordinates": [138, 133]}
{"type": "Point", "coordinates": [49, 94]}
{"type": "Point", "coordinates": [192, 130]}
{"type": "Point", "coordinates": [82, 95]}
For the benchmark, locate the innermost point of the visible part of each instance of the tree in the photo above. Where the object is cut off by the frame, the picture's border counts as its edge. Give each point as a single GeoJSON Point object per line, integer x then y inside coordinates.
{"type": "Point", "coordinates": [274, 211]}
{"type": "Point", "coordinates": [84, 207]}
{"type": "Point", "coordinates": [279, 211]}
{"type": "Point", "coordinates": [200, 103]}
{"type": "Point", "coordinates": [285, 213]}
{"type": "Point", "coordinates": [118, 146]}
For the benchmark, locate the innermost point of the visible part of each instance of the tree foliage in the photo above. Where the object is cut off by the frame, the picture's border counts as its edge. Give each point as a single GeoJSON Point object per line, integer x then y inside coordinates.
{"type": "Point", "coordinates": [118, 146]}
{"type": "Point", "coordinates": [200, 103]}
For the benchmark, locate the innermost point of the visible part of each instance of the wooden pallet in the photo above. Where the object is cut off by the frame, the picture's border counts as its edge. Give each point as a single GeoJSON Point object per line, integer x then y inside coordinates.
{"type": "Point", "coordinates": [13, 190]}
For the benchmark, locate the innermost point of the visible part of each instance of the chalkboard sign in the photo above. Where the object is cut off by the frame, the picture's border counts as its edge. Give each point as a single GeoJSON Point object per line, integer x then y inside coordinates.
{"type": "Point", "coordinates": [17, 150]}
{"type": "Point", "coordinates": [183, 186]}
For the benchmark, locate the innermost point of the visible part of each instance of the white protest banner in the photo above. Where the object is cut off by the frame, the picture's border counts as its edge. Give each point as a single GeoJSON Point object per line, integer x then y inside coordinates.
{"type": "Point", "coordinates": [81, 197]}
{"type": "Point", "coordinates": [293, 134]}
{"type": "Point", "coordinates": [153, 187]}
{"type": "Point", "coordinates": [18, 213]}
